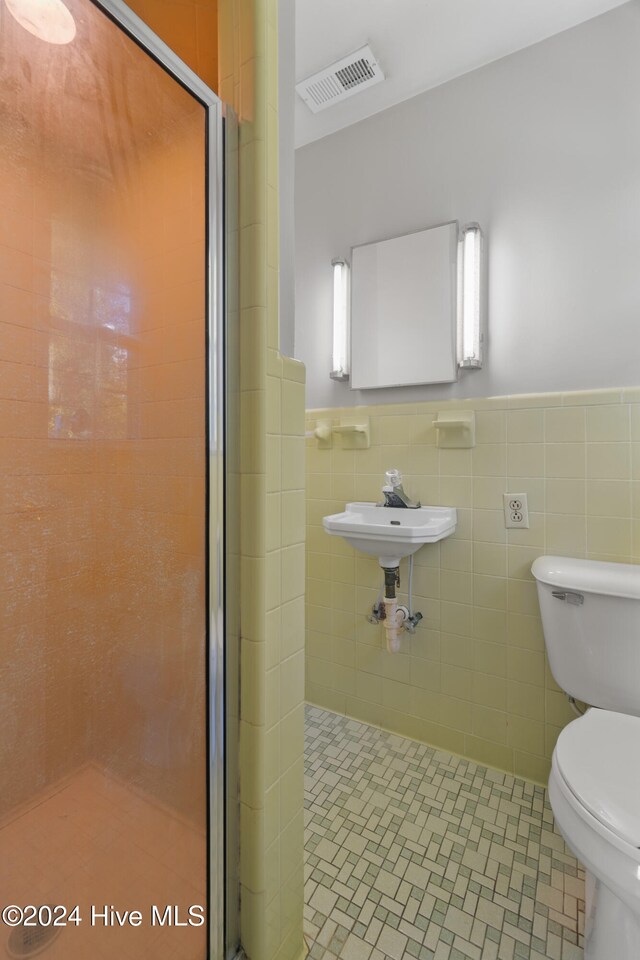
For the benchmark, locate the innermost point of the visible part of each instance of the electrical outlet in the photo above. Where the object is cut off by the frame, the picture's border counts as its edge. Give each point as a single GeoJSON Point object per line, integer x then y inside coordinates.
{"type": "Point", "coordinates": [516, 510]}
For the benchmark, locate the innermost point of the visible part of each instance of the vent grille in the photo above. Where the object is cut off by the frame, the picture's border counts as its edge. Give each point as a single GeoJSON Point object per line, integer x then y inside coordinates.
{"type": "Point", "coordinates": [341, 80]}
{"type": "Point", "coordinates": [355, 74]}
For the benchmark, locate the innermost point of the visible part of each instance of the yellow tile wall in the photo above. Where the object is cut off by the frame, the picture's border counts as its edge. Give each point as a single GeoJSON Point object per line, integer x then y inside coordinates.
{"type": "Point", "coordinates": [473, 678]}
{"type": "Point", "coordinates": [271, 538]}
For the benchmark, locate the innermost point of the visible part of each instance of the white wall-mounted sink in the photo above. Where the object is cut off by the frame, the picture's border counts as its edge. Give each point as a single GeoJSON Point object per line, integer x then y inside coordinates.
{"type": "Point", "coordinates": [390, 533]}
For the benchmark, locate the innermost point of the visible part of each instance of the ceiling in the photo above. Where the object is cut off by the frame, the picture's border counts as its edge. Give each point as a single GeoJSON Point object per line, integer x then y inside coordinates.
{"type": "Point", "coordinates": [418, 43]}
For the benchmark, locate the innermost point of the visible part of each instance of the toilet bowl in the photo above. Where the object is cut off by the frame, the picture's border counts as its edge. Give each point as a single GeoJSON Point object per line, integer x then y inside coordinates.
{"type": "Point", "coordinates": [594, 789]}
{"type": "Point", "coordinates": [591, 620]}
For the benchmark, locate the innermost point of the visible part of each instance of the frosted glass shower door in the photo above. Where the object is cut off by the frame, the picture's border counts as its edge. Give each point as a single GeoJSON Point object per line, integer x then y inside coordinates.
{"type": "Point", "coordinates": [109, 396]}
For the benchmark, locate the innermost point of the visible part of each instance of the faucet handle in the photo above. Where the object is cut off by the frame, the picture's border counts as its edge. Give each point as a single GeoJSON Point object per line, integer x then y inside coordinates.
{"type": "Point", "coordinates": [393, 477]}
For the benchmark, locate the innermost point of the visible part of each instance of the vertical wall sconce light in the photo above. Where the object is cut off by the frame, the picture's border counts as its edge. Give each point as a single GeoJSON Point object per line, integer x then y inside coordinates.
{"type": "Point", "coordinates": [470, 334]}
{"type": "Point", "coordinates": [341, 321]}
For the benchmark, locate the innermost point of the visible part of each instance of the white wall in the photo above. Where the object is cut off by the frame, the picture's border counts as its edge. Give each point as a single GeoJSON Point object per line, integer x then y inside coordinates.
{"type": "Point", "coordinates": [543, 149]}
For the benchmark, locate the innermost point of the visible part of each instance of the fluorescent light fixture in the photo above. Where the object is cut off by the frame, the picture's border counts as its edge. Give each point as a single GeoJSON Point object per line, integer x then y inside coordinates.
{"type": "Point", "coordinates": [341, 320]}
{"type": "Point", "coordinates": [49, 20]}
{"type": "Point", "coordinates": [470, 297]}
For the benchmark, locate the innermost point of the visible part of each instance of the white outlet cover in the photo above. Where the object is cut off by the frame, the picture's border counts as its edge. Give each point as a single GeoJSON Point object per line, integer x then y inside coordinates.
{"type": "Point", "coordinates": [516, 510]}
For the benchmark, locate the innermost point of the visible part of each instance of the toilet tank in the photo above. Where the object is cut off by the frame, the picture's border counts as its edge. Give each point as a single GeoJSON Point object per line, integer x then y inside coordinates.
{"type": "Point", "coordinates": [591, 620]}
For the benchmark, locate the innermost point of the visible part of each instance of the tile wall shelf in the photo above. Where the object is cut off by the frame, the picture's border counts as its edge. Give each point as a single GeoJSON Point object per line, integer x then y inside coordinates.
{"type": "Point", "coordinates": [456, 428]}
{"type": "Point", "coordinates": [354, 436]}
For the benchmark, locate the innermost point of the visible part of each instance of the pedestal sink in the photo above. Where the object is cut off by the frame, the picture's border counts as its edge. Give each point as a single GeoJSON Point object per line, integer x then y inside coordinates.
{"type": "Point", "coordinates": [390, 533]}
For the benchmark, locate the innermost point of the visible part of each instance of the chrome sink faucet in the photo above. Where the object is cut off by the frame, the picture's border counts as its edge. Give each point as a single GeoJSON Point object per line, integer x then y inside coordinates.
{"type": "Point", "coordinates": [393, 492]}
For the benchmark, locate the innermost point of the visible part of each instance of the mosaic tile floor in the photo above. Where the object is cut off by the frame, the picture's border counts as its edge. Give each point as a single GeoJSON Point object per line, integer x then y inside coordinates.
{"type": "Point", "coordinates": [412, 852]}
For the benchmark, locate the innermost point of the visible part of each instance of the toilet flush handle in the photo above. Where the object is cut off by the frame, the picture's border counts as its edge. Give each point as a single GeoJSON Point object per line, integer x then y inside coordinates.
{"type": "Point", "coordinates": [575, 598]}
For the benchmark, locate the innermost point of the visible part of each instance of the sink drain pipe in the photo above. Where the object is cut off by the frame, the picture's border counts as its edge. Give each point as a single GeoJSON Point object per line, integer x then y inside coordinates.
{"type": "Point", "coordinates": [394, 615]}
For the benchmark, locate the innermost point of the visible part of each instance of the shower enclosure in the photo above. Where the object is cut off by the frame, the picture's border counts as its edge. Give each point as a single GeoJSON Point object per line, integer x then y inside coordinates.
{"type": "Point", "coordinates": [111, 491]}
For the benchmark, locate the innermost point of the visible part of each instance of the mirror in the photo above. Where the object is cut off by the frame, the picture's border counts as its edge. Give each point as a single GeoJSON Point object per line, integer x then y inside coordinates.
{"type": "Point", "coordinates": [403, 310]}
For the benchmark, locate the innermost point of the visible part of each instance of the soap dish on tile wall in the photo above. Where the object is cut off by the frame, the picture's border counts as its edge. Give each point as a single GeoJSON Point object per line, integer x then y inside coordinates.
{"type": "Point", "coordinates": [456, 428]}
{"type": "Point", "coordinates": [354, 435]}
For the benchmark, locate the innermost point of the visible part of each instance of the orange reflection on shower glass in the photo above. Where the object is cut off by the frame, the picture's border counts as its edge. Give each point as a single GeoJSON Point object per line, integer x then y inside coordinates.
{"type": "Point", "coordinates": [102, 496]}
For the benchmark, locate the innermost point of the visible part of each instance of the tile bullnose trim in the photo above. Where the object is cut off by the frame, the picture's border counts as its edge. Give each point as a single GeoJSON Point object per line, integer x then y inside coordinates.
{"type": "Point", "coordinates": [295, 370]}
{"type": "Point", "coordinates": [568, 398]}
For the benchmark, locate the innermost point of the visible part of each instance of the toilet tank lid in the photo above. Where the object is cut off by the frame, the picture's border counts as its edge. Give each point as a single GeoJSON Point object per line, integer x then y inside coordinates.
{"type": "Point", "coordinates": [599, 759]}
{"type": "Point", "coordinates": [589, 576]}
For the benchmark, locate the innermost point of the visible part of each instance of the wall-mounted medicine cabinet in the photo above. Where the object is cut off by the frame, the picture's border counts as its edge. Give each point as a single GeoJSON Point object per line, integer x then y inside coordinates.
{"type": "Point", "coordinates": [403, 310]}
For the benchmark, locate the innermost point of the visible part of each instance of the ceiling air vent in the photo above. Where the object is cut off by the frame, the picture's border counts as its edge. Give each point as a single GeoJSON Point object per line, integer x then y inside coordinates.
{"type": "Point", "coordinates": [341, 80]}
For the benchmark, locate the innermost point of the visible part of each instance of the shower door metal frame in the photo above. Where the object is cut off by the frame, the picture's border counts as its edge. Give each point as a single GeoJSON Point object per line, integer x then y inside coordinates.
{"type": "Point", "coordinates": [151, 44]}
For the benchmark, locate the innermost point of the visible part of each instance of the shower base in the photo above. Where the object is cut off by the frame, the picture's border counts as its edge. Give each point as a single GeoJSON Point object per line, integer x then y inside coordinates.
{"type": "Point", "coordinates": [95, 841]}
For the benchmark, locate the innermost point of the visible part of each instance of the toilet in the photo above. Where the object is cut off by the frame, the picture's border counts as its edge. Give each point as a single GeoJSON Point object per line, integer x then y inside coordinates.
{"type": "Point", "coordinates": [591, 620]}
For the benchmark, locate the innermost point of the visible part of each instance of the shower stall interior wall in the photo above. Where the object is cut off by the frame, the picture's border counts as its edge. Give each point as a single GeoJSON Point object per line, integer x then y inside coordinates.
{"type": "Point", "coordinates": [110, 473]}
